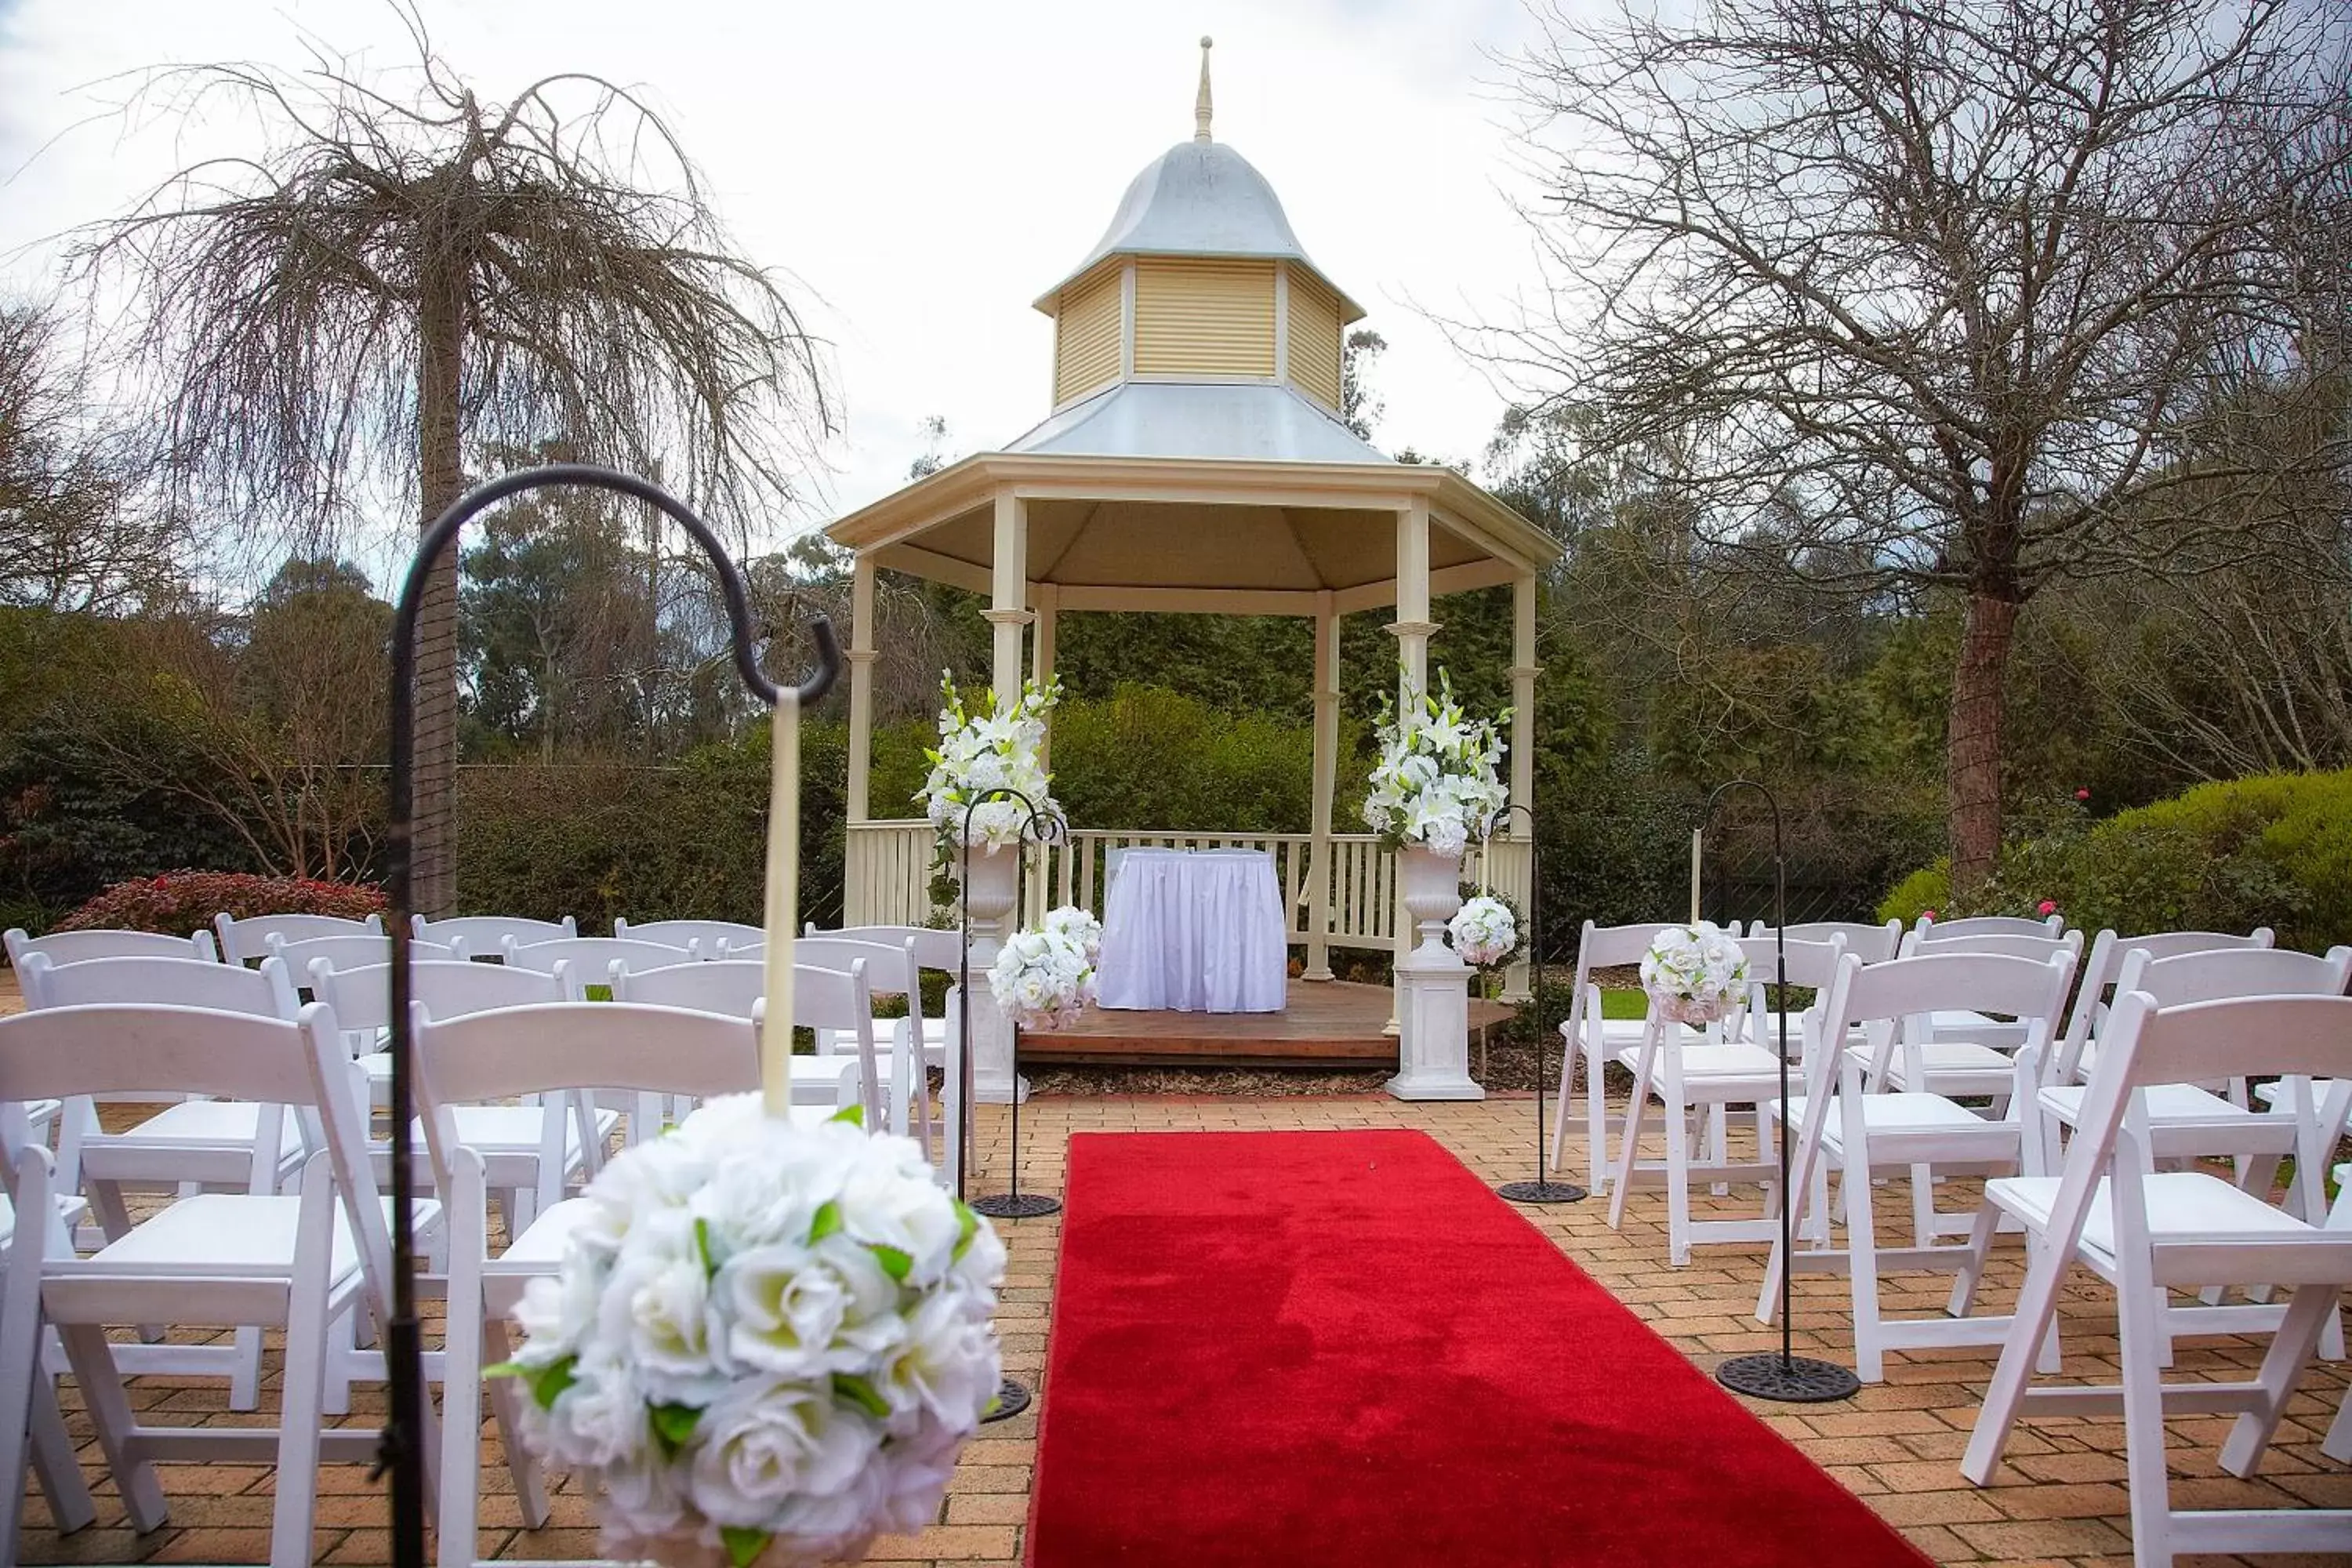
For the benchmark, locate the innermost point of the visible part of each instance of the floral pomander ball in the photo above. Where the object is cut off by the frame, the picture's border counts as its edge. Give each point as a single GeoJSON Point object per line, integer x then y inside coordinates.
{"type": "Point", "coordinates": [1695, 974]}
{"type": "Point", "coordinates": [1484, 932]}
{"type": "Point", "coordinates": [1044, 977]}
{"type": "Point", "coordinates": [767, 1343]}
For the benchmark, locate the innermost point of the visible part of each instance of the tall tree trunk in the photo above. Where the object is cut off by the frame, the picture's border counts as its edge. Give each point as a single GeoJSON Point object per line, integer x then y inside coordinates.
{"type": "Point", "coordinates": [1973, 742]}
{"type": "Point", "coordinates": [441, 323]}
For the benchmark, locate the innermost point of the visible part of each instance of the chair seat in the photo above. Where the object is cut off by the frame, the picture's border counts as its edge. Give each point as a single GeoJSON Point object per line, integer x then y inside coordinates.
{"type": "Point", "coordinates": [70, 1208]}
{"type": "Point", "coordinates": [1896, 1114]}
{"type": "Point", "coordinates": [199, 1124]}
{"type": "Point", "coordinates": [2169, 1104]}
{"type": "Point", "coordinates": [1954, 1067]}
{"type": "Point", "coordinates": [2182, 1206]}
{"type": "Point", "coordinates": [507, 1130]}
{"type": "Point", "coordinates": [229, 1235]}
{"type": "Point", "coordinates": [2275, 1092]}
{"type": "Point", "coordinates": [1737, 1060]}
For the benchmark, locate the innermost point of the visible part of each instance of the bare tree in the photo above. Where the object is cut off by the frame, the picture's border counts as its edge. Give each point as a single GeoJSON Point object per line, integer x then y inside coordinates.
{"type": "Point", "coordinates": [1943, 292]}
{"type": "Point", "coordinates": [405, 278]}
{"type": "Point", "coordinates": [74, 533]}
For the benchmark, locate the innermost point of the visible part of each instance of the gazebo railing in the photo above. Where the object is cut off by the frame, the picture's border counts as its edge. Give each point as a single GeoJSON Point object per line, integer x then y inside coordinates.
{"type": "Point", "coordinates": [888, 869]}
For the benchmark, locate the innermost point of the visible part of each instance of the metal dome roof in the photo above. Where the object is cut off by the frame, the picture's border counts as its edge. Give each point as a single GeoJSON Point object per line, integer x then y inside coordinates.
{"type": "Point", "coordinates": [1200, 198]}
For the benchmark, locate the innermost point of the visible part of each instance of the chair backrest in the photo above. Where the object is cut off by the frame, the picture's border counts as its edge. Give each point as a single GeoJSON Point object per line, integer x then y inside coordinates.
{"type": "Point", "coordinates": [264, 992]}
{"type": "Point", "coordinates": [708, 939]}
{"type": "Point", "coordinates": [487, 933]}
{"type": "Point", "coordinates": [889, 970]}
{"type": "Point", "coordinates": [62, 947]}
{"type": "Point", "coordinates": [1881, 998]}
{"type": "Point", "coordinates": [1601, 947]}
{"type": "Point", "coordinates": [64, 1053]}
{"type": "Point", "coordinates": [446, 988]}
{"type": "Point", "coordinates": [1873, 943]}
{"type": "Point", "coordinates": [840, 1000]}
{"type": "Point", "coordinates": [2218, 975]}
{"type": "Point", "coordinates": [731, 987]}
{"type": "Point", "coordinates": [1934, 929]}
{"type": "Point", "coordinates": [2036, 946]}
{"type": "Point", "coordinates": [245, 940]}
{"type": "Point", "coordinates": [2145, 1045]}
{"type": "Point", "coordinates": [355, 951]}
{"type": "Point", "coordinates": [1813, 965]}
{"type": "Point", "coordinates": [2104, 963]}
{"type": "Point", "coordinates": [934, 949]}
{"type": "Point", "coordinates": [589, 955]}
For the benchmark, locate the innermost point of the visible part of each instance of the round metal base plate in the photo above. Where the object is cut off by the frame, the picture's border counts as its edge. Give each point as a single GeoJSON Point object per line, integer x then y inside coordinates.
{"type": "Point", "coordinates": [1796, 1381]}
{"type": "Point", "coordinates": [1016, 1205]}
{"type": "Point", "coordinates": [1543, 1192]}
{"type": "Point", "coordinates": [1012, 1399]}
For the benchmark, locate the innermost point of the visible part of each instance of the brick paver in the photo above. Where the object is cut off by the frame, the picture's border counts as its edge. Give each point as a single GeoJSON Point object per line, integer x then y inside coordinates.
{"type": "Point", "coordinates": [2060, 1499]}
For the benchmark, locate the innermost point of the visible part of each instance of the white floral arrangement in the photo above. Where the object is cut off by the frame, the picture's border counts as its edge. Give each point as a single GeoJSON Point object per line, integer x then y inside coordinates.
{"type": "Point", "coordinates": [766, 1344]}
{"type": "Point", "coordinates": [1001, 749]}
{"type": "Point", "coordinates": [1484, 932]}
{"type": "Point", "coordinates": [1695, 974]}
{"type": "Point", "coordinates": [1437, 783]}
{"type": "Point", "coordinates": [1044, 977]}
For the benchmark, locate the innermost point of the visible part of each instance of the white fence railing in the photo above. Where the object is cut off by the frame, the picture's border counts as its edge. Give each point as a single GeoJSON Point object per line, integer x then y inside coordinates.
{"type": "Point", "coordinates": [890, 868]}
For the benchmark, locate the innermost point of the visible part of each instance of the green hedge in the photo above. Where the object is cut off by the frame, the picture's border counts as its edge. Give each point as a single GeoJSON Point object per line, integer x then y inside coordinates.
{"type": "Point", "coordinates": [2275, 850]}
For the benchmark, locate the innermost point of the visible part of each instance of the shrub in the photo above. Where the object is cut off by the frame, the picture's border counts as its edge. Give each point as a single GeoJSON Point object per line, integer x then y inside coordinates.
{"type": "Point", "coordinates": [2275, 850]}
{"type": "Point", "coordinates": [178, 902]}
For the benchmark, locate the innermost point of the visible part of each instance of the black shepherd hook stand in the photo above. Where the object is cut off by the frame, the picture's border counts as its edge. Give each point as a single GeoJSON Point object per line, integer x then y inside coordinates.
{"type": "Point", "coordinates": [1012, 1398]}
{"type": "Point", "coordinates": [1543, 1189]}
{"type": "Point", "coordinates": [402, 1451]}
{"type": "Point", "coordinates": [1781, 1375]}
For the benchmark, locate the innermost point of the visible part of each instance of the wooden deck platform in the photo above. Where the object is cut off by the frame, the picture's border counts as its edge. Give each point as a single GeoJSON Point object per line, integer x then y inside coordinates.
{"type": "Point", "coordinates": [1329, 1024]}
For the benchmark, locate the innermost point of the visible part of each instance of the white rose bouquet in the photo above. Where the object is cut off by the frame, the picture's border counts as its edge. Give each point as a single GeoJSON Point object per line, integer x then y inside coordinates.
{"type": "Point", "coordinates": [1436, 783]}
{"type": "Point", "coordinates": [1484, 932]}
{"type": "Point", "coordinates": [980, 752]}
{"type": "Point", "coordinates": [766, 1344]}
{"type": "Point", "coordinates": [1695, 974]}
{"type": "Point", "coordinates": [1044, 978]}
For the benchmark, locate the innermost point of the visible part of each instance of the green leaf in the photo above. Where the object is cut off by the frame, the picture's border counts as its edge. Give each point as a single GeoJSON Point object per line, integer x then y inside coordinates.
{"type": "Point", "coordinates": [672, 1425]}
{"type": "Point", "coordinates": [897, 1265]}
{"type": "Point", "coordinates": [860, 1393]}
{"type": "Point", "coordinates": [853, 1114]}
{"type": "Point", "coordinates": [702, 1246]}
{"type": "Point", "coordinates": [827, 1221]}
{"type": "Point", "coordinates": [548, 1382]}
{"type": "Point", "coordinates": [967, 1226]}
{"type": "Point", "coordinates": [743, 1546]}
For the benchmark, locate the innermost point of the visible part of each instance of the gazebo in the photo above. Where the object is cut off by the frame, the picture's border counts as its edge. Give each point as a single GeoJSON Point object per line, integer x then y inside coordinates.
{"type": "Point", "coordinates": [1194, 461]}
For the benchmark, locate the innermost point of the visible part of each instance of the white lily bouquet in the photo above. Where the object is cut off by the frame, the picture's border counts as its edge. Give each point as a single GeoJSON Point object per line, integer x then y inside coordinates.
{"type": "Point", "coordinates": [1044, 978]}
{"type": "Point", "coordinates": [766, 1345]}
{"type": "Point", "coordinates": [1001, 749]}
{"type": "Point", "coordinates": [1436, 784]}
{"type": "Point", "coordinates": [1695, 974]}
{"type": "Point", "coordinates": [1483, 932]}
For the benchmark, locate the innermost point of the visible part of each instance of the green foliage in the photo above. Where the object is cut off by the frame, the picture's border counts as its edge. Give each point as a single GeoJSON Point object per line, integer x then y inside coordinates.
{"type": "Point", "coordinates": [1150, 758]}
{"type": "Point", "coordinates": [2275, 850]}
{"type": "Point", "coordinates": [179, 902]}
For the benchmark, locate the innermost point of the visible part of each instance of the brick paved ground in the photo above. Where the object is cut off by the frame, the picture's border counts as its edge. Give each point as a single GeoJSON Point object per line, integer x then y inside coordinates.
{"type": "Point", "coordinates": [2060, 1501]}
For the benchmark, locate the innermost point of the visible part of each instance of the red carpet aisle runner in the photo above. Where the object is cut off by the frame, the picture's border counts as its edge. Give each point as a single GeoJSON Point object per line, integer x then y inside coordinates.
{"type": "Point", "coordinates": [1339, 1348]}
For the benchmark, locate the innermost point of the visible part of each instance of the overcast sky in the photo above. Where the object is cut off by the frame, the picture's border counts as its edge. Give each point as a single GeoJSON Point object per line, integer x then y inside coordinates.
{"type": "Point", "coordinates": [923, 169]}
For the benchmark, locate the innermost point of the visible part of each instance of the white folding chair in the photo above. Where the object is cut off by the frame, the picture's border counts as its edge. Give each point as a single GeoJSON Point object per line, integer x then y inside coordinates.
{"type": "Point", "coordinates": [941, 952]}
{"type": "Point", "coordinates": [359, 949]}
{"type": "Point", "coordinates": [77, 946]}
{"type": "Point", "coordinates": [705, 939]}
{"type": "Point", "coordinates": [1871, 943]}
{"type": "Point", "coordinates": [487, 934]}
{"type": "Point", "coordinates": [1860, 1132]}
{"type": "Point", "coordinates": [1934, 929]}
{"type": "Point", "coordinates": [733, 988]}
{"type": "Point", "coordinates": [2071, 1061]}
{"type": "Point", "coordinates": [1584, 1032]}
{"type": "Point", "coordinates": [53, 1464]}
{"type": "Point", "coordinates": [1711, 1075]}
{"type": "Point", "coordinates": [1963, 1051]}
{"type": "Point", "coordinates": [892, 969]}
{"type": "Point", "coordinates": [291, 1262]}
{"type": "Point", "coordinates": [2143, 1231]}
{"type": "Point", "coordinates": [247, 940]}
{"type": "Point", "coordinates": [587, 958]}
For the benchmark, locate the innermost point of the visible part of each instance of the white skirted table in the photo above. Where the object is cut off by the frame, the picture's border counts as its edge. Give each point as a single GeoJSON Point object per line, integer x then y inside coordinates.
{"type": "Point", "coordinates": [1192, 933]}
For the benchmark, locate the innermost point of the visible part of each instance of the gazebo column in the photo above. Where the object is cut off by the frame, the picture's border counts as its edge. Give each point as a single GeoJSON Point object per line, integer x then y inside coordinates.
{"type": "Point", "coordinates": [861, 685]}
{"type": "Point", "coordinates": [991, 1031]}
{"type": "Point", "coordinates": [1047, 600]}
{"type": "Point", "coordinates": [1327, 762]}
{"type": "Point", "coordinates": [1524, 670]}
{"type": "Point", "coordinates": [1433, 988]}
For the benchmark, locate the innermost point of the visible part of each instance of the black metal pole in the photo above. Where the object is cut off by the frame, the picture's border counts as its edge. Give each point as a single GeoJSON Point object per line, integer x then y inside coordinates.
{"type": "Point", "coordinates": [401, 1449]}
{"type": "Point", "coordinates": [1543, 1189]}
{"type": "Point", "coordinates": [1786, 1376]}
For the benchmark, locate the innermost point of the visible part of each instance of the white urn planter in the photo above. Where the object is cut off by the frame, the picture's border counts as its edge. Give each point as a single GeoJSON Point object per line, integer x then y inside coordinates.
{"type": "Point", "coordinates": [991, 891]}
{"type": "Point", "coordinates": [1433, 985]}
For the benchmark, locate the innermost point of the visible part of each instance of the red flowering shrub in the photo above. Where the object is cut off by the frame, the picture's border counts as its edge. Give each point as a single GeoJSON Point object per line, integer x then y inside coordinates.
{"type": "Point", "coordinates": [178, 902]}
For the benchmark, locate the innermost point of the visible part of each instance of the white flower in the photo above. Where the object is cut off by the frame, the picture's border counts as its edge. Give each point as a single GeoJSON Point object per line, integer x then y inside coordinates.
{"type": "Point", "coordinates": [1044, 978]}
{"type": "Point", "coordinates": [598, 1420]}
{"type": "Point", "coordinates": [765, 1442]}
{"type": "Point", "coordinates": [945, 1366]}
{"type": "Point", "coordinates": [1483, 931]}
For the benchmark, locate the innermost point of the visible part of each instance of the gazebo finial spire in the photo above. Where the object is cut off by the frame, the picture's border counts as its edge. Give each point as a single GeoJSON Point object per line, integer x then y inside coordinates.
{"type": "Point", "coordinates": [1201, 103]}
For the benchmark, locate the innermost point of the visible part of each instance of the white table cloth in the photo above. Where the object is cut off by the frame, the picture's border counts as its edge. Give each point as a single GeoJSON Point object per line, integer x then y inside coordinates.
{"type": "Point", "coordinates": [1194, 933]}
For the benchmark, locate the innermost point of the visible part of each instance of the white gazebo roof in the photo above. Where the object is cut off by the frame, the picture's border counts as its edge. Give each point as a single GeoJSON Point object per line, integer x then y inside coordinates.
{"type": "Point", "coordinates": [1251, 421]}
